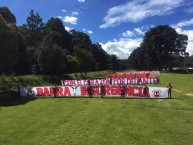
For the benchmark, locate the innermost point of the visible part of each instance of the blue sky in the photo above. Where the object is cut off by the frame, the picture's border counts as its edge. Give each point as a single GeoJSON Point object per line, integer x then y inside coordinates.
{"type": "Point", "coordinates": [118, 25]}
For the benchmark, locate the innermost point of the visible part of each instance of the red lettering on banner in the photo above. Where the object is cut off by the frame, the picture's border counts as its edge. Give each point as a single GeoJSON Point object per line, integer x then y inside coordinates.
{"type": "Point", "coordinates": [96, 91]}
{"type": "Point", "coordinates": [66, 83]}
{"type": "Point", "coordinates": [60, 91]}
{"type": "Point", "coordinates": [46, 92]}
{"type": "Point", "coordinates": [107, 90]}
{"type": "Point", "coordinates": [97, 82]}
{"type": "Point", "coordinates": [114, 90]}
{"type": "Point", "coordinates": [85, 82]}
{"type": "Point", "coordinates": [92, 82]}
{"type": "Point", "coordinates": [51, 91]}
{"type": "Point", "coordinates": [67, 91]}
{"type": "Point", "coordinates": [79, 82]}
{"type": "Point", "coordinates": [83, 91]}
{"type": "Point", "coordinates": [40, 92]}
{"type": "Point", "coordinates": [128, 91]}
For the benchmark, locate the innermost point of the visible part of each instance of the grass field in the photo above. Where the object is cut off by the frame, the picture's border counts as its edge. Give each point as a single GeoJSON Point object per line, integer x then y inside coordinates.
{"type": "Point", "coordinates": [103, 121]}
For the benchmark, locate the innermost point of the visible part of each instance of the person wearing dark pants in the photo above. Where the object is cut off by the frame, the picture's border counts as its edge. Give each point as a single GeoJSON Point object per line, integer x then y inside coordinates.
{"type": "Point", "coordinates": [123, 88]}
{"type": "Point", "coordinates": [102, 90]}
{"type": "Point", "coordinates": [169, 86]}
{"type": "Point", "coordinates": [90, 91]}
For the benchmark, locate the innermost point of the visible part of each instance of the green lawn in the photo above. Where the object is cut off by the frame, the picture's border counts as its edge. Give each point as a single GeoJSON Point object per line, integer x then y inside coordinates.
{"type": "Point", "coordinates": [103, 121]}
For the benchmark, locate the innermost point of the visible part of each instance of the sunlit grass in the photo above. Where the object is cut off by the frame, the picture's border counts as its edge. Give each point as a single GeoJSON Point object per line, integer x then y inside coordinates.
{"type": "Point", "coordinates": [87, 121]}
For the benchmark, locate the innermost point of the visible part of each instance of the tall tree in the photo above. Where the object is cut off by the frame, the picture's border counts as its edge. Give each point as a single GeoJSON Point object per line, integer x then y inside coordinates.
{"type": "Point", "coordinates": [85, 59]}
{"type": "Point", "coordinates": [8, 48]}
{"type": "Point", "coordinates": [34, 28]}
{"type": "Point", "coordinates": [114, 62]}
{"type": "Point", "coordinates": [55, 25]}
{"type": "Point", "coordinates": [23, 64]}
{"type": "Point", "coordinates": [7, 15]}
{"type": "Point", "coordinates": [160, 45]}
{"type": "Point", "coordinates": [81, 39]}
{"type": "Point", "coordinates": [52, 60]}
{"type": "Point", "coordinates": [101, 56]}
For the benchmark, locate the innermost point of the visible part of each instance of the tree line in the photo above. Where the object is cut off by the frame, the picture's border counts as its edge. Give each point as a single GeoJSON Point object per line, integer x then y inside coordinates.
{"type": "Point", "coordinates": [48, 48]}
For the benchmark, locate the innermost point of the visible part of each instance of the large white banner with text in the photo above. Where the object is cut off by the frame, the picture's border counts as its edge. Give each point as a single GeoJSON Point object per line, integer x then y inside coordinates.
{"type": "Point", "coordinates": [110, 90]}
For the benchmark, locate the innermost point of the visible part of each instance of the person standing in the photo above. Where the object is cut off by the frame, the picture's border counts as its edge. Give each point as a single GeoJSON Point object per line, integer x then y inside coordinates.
{"type": "Point", "coordinates": [90, 91]}
{"type": "Point", "coordinates": [55, 89]}
{"type": "Point", "coordinates": [123, 88]}
{"type": "Point", "coordinates": [102, 90]}
{"type": "Point", "coordinates": [146, 91]}
{"type": "Point", "coordinates": [169, 86]}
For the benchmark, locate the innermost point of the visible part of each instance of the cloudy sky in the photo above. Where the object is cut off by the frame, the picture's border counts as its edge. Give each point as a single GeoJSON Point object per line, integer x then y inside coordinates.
{"type": "Point", "coordinates": [118, 25]}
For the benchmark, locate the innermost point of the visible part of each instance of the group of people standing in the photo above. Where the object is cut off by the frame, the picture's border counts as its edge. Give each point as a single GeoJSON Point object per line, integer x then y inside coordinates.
{"type": "Point", "coordinates": [90, 90]}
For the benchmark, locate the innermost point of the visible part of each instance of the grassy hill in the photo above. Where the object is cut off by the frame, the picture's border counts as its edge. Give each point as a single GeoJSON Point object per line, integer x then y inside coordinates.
{"type": "Point", "coordinates": [85, 121]}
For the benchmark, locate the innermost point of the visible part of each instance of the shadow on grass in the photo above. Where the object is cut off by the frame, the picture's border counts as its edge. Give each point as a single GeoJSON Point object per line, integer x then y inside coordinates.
{"type": "Point", "coordinates": [11, 98]}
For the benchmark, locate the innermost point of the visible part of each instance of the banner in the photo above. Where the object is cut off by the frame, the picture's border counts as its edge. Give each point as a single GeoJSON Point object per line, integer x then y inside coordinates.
{"type": "Point", "coordinates": [140, 72]}
{"type": "Point", "coordinates": [81, 91]}
{"type": "Point", "coordinates": [110, 81]}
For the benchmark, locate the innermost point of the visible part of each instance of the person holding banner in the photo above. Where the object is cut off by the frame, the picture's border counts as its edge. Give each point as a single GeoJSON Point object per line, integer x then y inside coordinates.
{"type": "Point", "coordinates": [55, 89]}
{"type": "Point", "coordinates": [102, 90]}
{"type": "Point", "coordinates": [90, 91]}
{"type": "Point", "coordinates": [123, 88]}
{"type": "Point", "coordinates": [169, 86]}
{"type": "Point", "coordinates": [146, 90]}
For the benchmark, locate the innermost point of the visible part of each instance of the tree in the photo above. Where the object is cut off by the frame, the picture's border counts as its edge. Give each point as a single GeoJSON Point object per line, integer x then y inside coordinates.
{"type": "Point", "coordinates": [73, 64]}
{"type": "Point", "coordinates": [85, 59]}
{"type": "Point", "coordinates": [23, 64]}
{"type": "Point", "coordinates": [114, 62]}
{"type": "Point", "coordinates": [34, 28]}
{"type": "Point", "coordinates": [55, 25]}
{"type": "Point", "coordinates": [7, 15]}
{"type": "Point", "coordinates": [81, 40]}
{"type": "Point", "coordinates": [8, 48]}
{"type": "Point", "coordinates": [54, 37]}
{"type": "Point", "coordinates": [160, 45]}
{"type": "Point", "coordinates": [52, 60]}
{"type": "Point", "coordinates": [101, 57]}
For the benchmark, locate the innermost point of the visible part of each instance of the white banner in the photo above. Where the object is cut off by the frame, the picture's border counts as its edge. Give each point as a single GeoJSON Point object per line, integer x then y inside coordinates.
{"type": "Point", "coordinates": [79, 91]}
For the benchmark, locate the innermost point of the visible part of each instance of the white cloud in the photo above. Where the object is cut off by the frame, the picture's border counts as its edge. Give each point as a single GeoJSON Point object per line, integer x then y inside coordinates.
{"type": "Point", "coordinates": [136, 32]}
{"type": "Point", "coordinates": [74, 13]}
{"type": "Point", "coordinates": [68, 28]}
{"type": "Point", "coordinates": [183, 23]}
{"type": "Point", "coordinates": [60, 17]}
{"type": "Point", "coordinates": [122, 48]}
{"type": "Point", "coordinates": [81, 1]}
{"type": "Point", "coordinates": [179, 28]}
{"type": "Point", "coordinates": [71, 20]}
{"type": "Point", "coordinates": [127, 33]}
{"type": "Point", "coordinates": [189, 33]}
{"type": "Point", "coordinates": [64, 10]}
{"type": "Point", "coordinates": [88, 31]}
{"type": "Point", "coordinates": [135, 11]}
